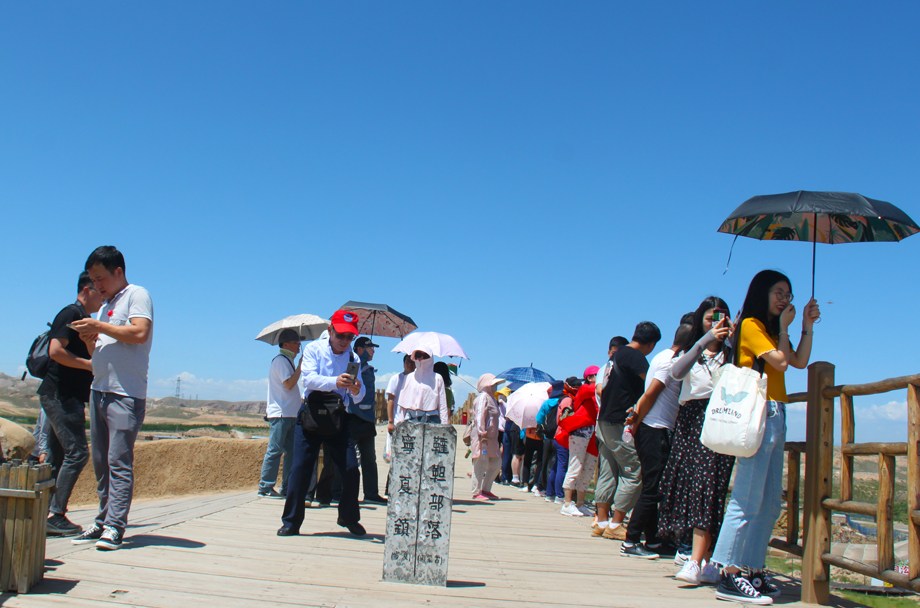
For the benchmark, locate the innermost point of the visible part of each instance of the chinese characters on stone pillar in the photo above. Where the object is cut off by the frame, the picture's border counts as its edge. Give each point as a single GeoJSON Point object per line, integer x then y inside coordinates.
{"type": "Point", "coordinates": [419, 509]}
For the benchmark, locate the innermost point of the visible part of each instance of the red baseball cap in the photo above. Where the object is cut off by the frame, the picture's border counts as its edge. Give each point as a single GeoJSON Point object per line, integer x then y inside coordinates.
{"type": "Point", "coordinates": [345, 322]}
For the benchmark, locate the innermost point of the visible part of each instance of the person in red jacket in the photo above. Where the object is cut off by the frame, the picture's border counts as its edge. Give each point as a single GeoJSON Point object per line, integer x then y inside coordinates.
{"type": "Point", "coordinates": [576, 432]}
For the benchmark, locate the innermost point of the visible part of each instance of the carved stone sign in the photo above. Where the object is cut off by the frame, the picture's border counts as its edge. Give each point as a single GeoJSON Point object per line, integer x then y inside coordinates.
{"type": "Point", "coordinates": [419, 507]}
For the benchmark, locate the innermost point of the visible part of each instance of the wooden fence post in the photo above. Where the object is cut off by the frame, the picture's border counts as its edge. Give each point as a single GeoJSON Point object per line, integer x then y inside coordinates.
{"type": "Point", "coordinates": [847, 435]}
{"type": "Point", "coordinates": [885, 525]}
{"type": "Point", "coordinates": [819, 463]}
{"type": "Point", "coordinates": [913, 477]}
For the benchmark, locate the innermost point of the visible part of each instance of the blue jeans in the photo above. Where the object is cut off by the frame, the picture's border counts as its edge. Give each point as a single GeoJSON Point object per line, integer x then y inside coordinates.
{"type": "Point", "coordinates": [756, 498]}
{"type": "Point", "coordinates": [557, 474]}
{"type": "Point", "coordinates": [506, 457]}
{"type": "Point", "coordinates": [280, 441]}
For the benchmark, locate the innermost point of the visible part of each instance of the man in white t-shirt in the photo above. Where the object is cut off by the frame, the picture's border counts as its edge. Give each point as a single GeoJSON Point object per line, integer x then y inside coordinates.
{"type": "Point", "coordinates": [652, 423]}
{"type": "Point", "coordinates": [281, 410]}
{"type": "Point", "coordinates": [394, 388]}
{"type": "Point", "coordinates": [118, 401]}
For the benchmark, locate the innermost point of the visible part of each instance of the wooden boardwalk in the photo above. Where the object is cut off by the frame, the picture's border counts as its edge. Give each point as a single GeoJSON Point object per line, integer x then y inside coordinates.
{"type": "Point", "coordinates": [222, 550]}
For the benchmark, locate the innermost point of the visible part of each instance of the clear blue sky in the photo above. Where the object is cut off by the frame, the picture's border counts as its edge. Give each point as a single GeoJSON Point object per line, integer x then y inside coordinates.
{"type": "Point", "coordinates": [531, 178]}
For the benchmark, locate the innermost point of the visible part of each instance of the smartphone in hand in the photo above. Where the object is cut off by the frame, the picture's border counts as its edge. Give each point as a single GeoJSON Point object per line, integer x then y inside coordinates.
{"type": "Point", "coordinates": [352, 369]}
{"type": "Point", "coordinates": [718, 314]}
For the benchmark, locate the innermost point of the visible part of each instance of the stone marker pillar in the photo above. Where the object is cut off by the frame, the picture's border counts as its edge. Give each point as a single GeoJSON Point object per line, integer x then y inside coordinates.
{"type": "Point", "coordinates": [419, 507]}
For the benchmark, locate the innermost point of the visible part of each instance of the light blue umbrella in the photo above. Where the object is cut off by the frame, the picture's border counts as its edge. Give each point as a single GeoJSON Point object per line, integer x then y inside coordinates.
{"type": "Point", "coordinates": [519, 376]}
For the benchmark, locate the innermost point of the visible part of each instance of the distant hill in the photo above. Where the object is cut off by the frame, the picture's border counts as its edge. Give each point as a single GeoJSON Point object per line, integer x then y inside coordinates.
{"type": "Point", "coordinates": [11, 385]}
{"type": "Point", "coordinates": [21, 393]}
{"type": "Point", "coordinates": [246, 407]}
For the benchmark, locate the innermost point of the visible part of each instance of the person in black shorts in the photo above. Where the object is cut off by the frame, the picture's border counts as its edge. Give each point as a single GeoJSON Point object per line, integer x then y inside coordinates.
{"type": "Point", "coordinates": [63, 395]}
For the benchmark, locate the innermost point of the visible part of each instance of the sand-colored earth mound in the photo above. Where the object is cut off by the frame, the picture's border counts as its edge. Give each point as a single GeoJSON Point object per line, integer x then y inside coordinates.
{"type": "Point", "coordinates": [185, 466]}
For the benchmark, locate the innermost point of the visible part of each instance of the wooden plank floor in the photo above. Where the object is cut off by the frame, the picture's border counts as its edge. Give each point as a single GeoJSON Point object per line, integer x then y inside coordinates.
{"type": "Point", "coordinates": [222, 550]}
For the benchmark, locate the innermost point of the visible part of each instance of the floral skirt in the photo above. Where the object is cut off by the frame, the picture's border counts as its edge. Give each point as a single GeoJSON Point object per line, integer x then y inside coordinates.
{"type": "Point", "coordinates": [695, 480]}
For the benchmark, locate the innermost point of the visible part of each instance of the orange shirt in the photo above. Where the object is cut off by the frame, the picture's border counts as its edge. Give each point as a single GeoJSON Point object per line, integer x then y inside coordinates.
{"type": "Point", "coordinates": [755, 341]}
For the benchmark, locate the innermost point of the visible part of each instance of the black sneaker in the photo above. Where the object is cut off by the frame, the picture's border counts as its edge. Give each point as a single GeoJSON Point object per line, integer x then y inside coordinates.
{"type": "Point", "coordinates": [664, 549]}
{"type": "Point", "coordinates": [110, 540]}
{"type": "Point", "coordinates": [736, 588]}
{"type": "Point", "coordinates": [380, 500]}
{"type": "Point", "coordinates": [59, 525]}
{"type": "Point", "coordinates": [763, 584]}
{"type": "Point", "coordinates": [89, 535]}
{"type": "Point", "coordinates": [637, 550]}
{"type": "Point", "coordinates": [270, 494]}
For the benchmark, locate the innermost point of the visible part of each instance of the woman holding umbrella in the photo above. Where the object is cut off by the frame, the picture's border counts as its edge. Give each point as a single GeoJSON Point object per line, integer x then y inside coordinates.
{"type": "Point", "coordinates": [424, 398]}
{"type": "Point", "coordinates": [763, 334]}
{"type": "Point", "coordinates": [484, 438]}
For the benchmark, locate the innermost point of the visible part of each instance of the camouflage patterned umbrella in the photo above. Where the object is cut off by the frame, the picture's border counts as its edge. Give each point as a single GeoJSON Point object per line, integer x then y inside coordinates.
{"type": "Point", "coordinates": [819, 217]}
{"type": "Point", "coordinates": [380, 320]}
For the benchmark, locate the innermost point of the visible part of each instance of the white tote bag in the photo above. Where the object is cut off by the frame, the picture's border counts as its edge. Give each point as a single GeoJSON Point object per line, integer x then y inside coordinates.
{"type": "Point", "coordinates": [737, 412]}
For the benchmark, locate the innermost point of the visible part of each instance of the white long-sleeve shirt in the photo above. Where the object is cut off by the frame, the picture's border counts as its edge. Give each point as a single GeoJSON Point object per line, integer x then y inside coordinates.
{"type": "Point", "coordinates": [320, 369]}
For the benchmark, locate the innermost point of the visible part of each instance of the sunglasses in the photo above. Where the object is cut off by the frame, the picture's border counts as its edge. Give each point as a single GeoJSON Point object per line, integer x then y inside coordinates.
{"type": "Point", "coordinates": [343, 337]}
{"type": "Point", "coordinates": [419, 356]}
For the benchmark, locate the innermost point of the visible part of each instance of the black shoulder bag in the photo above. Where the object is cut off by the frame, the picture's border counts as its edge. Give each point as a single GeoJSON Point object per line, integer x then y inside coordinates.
{"type": "Point", "coordinates": [323, 413]}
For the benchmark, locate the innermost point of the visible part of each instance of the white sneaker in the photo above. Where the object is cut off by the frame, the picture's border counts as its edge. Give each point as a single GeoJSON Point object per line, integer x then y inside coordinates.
{"type": "Point", "coordinates": [538, 492]}
{"type": "Point", "coordinates": [548, 498]}
{"type": "Point", "coordinates": [680, 558]}
{"type": "Point", "coordinates": [559, 500]}
{"type": "Point", "coordinates": [571, 510]}
{"type": "Point", "coordinates": [709, 575]}
{"type": "Point", "coordinates": [523, 489]}
{"type": "Point", "coordinates": [690, 573]}
{"type": "Point", "coordinates": [585, 511]}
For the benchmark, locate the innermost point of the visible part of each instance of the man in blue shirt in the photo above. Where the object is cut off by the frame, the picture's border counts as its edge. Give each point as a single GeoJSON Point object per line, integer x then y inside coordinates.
{"type": "Point", "coordinates": [323, 366]}
{"type": "Point", "coordinates": [362, 418]}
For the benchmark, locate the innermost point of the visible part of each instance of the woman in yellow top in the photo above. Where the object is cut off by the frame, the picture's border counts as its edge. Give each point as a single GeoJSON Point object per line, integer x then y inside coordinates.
{"type": "Point", "coordinates": [762, 334]}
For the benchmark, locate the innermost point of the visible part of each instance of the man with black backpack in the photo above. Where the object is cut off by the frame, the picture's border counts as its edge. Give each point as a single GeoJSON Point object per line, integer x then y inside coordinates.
{"type": "Point", "coordinates": [63, 394]}
{"type": "Point", "coordinates": [281, 411]}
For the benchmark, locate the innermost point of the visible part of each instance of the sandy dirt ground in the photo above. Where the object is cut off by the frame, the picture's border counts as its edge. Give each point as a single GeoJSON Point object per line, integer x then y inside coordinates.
{"type": "Point", "coordinates": [185, 466]}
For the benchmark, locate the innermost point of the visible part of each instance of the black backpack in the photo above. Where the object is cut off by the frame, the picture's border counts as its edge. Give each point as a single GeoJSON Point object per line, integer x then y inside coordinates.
{"type": "Point", "coordinates": [39, 359]}
{"type": "Point", "coordinates": [550, 426]}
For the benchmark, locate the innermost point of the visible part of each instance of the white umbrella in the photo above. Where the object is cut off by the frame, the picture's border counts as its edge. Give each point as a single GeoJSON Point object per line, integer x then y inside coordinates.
{"type": "Point", "coordinates": [524, 403]}
{"type": "Point", "coordinates": [441, 345]}
{"type": "Point", "coordinates": [308, 326]}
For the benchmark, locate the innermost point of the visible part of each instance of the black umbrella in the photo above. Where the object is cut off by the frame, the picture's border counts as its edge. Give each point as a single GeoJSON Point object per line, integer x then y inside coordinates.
{"type": "Point", "coordinates": [819, 217]}
{"type": "Point", "coordinates": [380, 320]}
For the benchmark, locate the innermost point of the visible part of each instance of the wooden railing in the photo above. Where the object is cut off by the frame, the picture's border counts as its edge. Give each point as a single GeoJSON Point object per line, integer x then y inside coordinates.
{"type": "Point", "coordinates": [815, 550]}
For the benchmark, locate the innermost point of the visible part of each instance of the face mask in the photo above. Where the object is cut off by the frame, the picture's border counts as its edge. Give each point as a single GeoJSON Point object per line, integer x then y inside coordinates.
{"type": "Point", "coordinates": [424, 366]}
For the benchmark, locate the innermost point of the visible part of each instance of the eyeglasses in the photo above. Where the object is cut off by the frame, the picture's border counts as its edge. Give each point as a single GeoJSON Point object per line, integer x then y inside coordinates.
{"type": "Point", "coordinates": [782, 295]}
{"type": "Point", "coordinates": [343, 337]}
